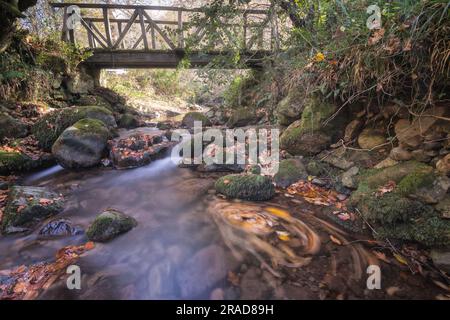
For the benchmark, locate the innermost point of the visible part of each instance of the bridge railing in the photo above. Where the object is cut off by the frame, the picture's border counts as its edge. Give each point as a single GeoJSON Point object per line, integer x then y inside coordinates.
{"type": "Point", "coordinates": [132, 27]}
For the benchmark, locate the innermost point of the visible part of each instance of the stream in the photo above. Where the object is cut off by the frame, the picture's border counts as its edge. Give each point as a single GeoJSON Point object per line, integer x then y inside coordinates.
{"type": "Point", "coordinates": [192, 244]}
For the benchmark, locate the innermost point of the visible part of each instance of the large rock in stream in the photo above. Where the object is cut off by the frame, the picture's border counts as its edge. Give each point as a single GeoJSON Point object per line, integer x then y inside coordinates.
{"type": "Point", "coordinates": [83, 145]}
{"type": "Point", "coordinates": [52, 125]}
{"type": "Point", "coordinates": [110, 224]}
{"type": "Point", "coordinates": [139, 147]}
{"type": "Point", "coordinates": [27, 207]}
{"type": "Point", "coordinates": [246, 186]}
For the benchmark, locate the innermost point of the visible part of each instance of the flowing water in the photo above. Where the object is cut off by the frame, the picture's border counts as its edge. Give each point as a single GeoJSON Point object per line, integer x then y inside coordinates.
{"type": "Point", "coordinates": [192, 244]}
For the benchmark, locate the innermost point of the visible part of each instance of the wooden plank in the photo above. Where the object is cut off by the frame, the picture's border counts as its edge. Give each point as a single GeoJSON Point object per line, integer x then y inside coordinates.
{"type": "Point", "coordinates": [244, 40]}
{"type": "Point", "coordinates": [90, 39]}
{"type": "Point", "coordinates": [143, 28]}
{"type": "Point", "coordinates": [145, 7]}
{"type": "Point", "coordinates": [162, 33]}
{"type": "Point", "coordinates": [64, 26]}
{"type": "Point", "coordinates": [99, 34]}
{"type": "Point", "coordinates": [94, 36]}
{"type": "Point", "coordinates": [119, 30]}
{"type": "Point", "coordinates": [153, 35]}
{"type": "Point", "coordinates": [180, 30]}
{"type": "Point", "coordinates": [125, 31]}
{"type": "Point", "coordinates": [107, 27]}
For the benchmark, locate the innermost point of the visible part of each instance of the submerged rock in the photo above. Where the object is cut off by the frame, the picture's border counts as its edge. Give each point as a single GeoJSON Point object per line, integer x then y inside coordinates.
{"type": "Point", "coordinates": [27, 206]}
{"type": "Point", "coordinates": [247, 187]}
{"type": "Point", "coordinates": [202, 271]}
{"type": "Point", "coordinates": [110, 224]}
{"type": "Point", "coordinates": [59, 228]}
{"type": "Point", "coordinates": [290, 171]}
{"type": "Point", "coordinates": [138, 148]}
{"type": "Point", "coordinates": [83, 145]}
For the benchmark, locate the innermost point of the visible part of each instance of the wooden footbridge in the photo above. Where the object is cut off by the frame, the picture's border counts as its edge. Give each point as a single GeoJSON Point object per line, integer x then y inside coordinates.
{"type": "Point", "coordinates": [130, 36]}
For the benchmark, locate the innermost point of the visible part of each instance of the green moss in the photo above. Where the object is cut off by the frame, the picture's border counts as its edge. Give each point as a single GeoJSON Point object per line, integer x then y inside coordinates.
{"type": "Point", "coordinates": [13, 162]}
{"type": "Point", "coordinates": [371, 179]}
{"type": "Point", "coordinates": [392, 208]}
{"type": "Point", "coordinates": [92, 126]}
{"type": "Point", "coordinates": [316, 111]}
{"type": "Point", "coordinates": [412, 182]}
{"type": "Point", "coordinates": [248, 187]}
{"type": "Point", "coordinates": [109, 225]}
{"type": "Point", "coordinates": [429, 231]}
{"type": "Point", "coordinates": [32, 210]}
{"type": "Point", "coordinates": [49, 127]}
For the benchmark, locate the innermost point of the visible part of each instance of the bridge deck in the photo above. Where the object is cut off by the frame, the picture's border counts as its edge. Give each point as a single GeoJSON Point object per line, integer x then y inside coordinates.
{"type": "Point", "coordinates": [166, 59]}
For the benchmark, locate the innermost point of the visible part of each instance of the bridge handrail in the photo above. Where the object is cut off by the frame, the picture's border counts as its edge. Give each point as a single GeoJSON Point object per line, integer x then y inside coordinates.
{"type": "Point", "coordinates": [105, 38]}
{"type": "Point", "coordinates": [144, 7]}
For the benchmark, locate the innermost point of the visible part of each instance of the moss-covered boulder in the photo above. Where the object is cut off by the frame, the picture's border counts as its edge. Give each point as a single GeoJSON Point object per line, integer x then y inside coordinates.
{"type": "Point", "coordinates": [308, 136]}
{"type": "Point", "coordinates": [128, 121]}
{"type": "Point", "coordinates": [83, 145]}
{"type": "Point", "coordinates": [27, 206]}
{"type": "Point", "coordinates": [289, 172]}
{"type": "Point", "coordinates": [242, 117]}
{"type": "Point", "coordinates": [11, 127]}
{"type": "Point", "coordinates": [16, 162]}
{"type": "Point", "coordinates": [191, 117]}
{"type": "Point", "coordinates": [291, 107]}
{"type": "Point", "coordinates": [49, 127]}
{"type": "Point", "coordinates": [110, 224]}
{"type": "Point", "coordinates": [398, 214]}
{"type": "Point", "coordinates": [13, 162]}
{"type": "Point", "coordinates": [247, 187]}
{"type": "Point", "coordinates": [414, 173]}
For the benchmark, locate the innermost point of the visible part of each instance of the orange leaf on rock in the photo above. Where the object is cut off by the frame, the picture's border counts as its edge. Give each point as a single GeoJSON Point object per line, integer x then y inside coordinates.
{"type": "Point", "coordinates": [45, 202]}
{"type": "Point", "coordinates": [89, 245]}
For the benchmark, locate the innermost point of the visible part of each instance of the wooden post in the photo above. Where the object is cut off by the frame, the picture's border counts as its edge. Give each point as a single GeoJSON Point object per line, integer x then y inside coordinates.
{"type": "Point", "coordinates": [64, 26]}
{"type": "Point", "coordinates": [153, 34]}
{"type": "Point", "coordinates": [244, 41]}
{"type": "Point", "coordinates": [107, 28]}
{"type": "Point", "coordinates": [143, 29]}
{"type": "Point", "coordinates": [180, 30]}
{"type": "Point", "coordinates": [119, 29]}
{"type": "Point", "coordinates": [90, 38]}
